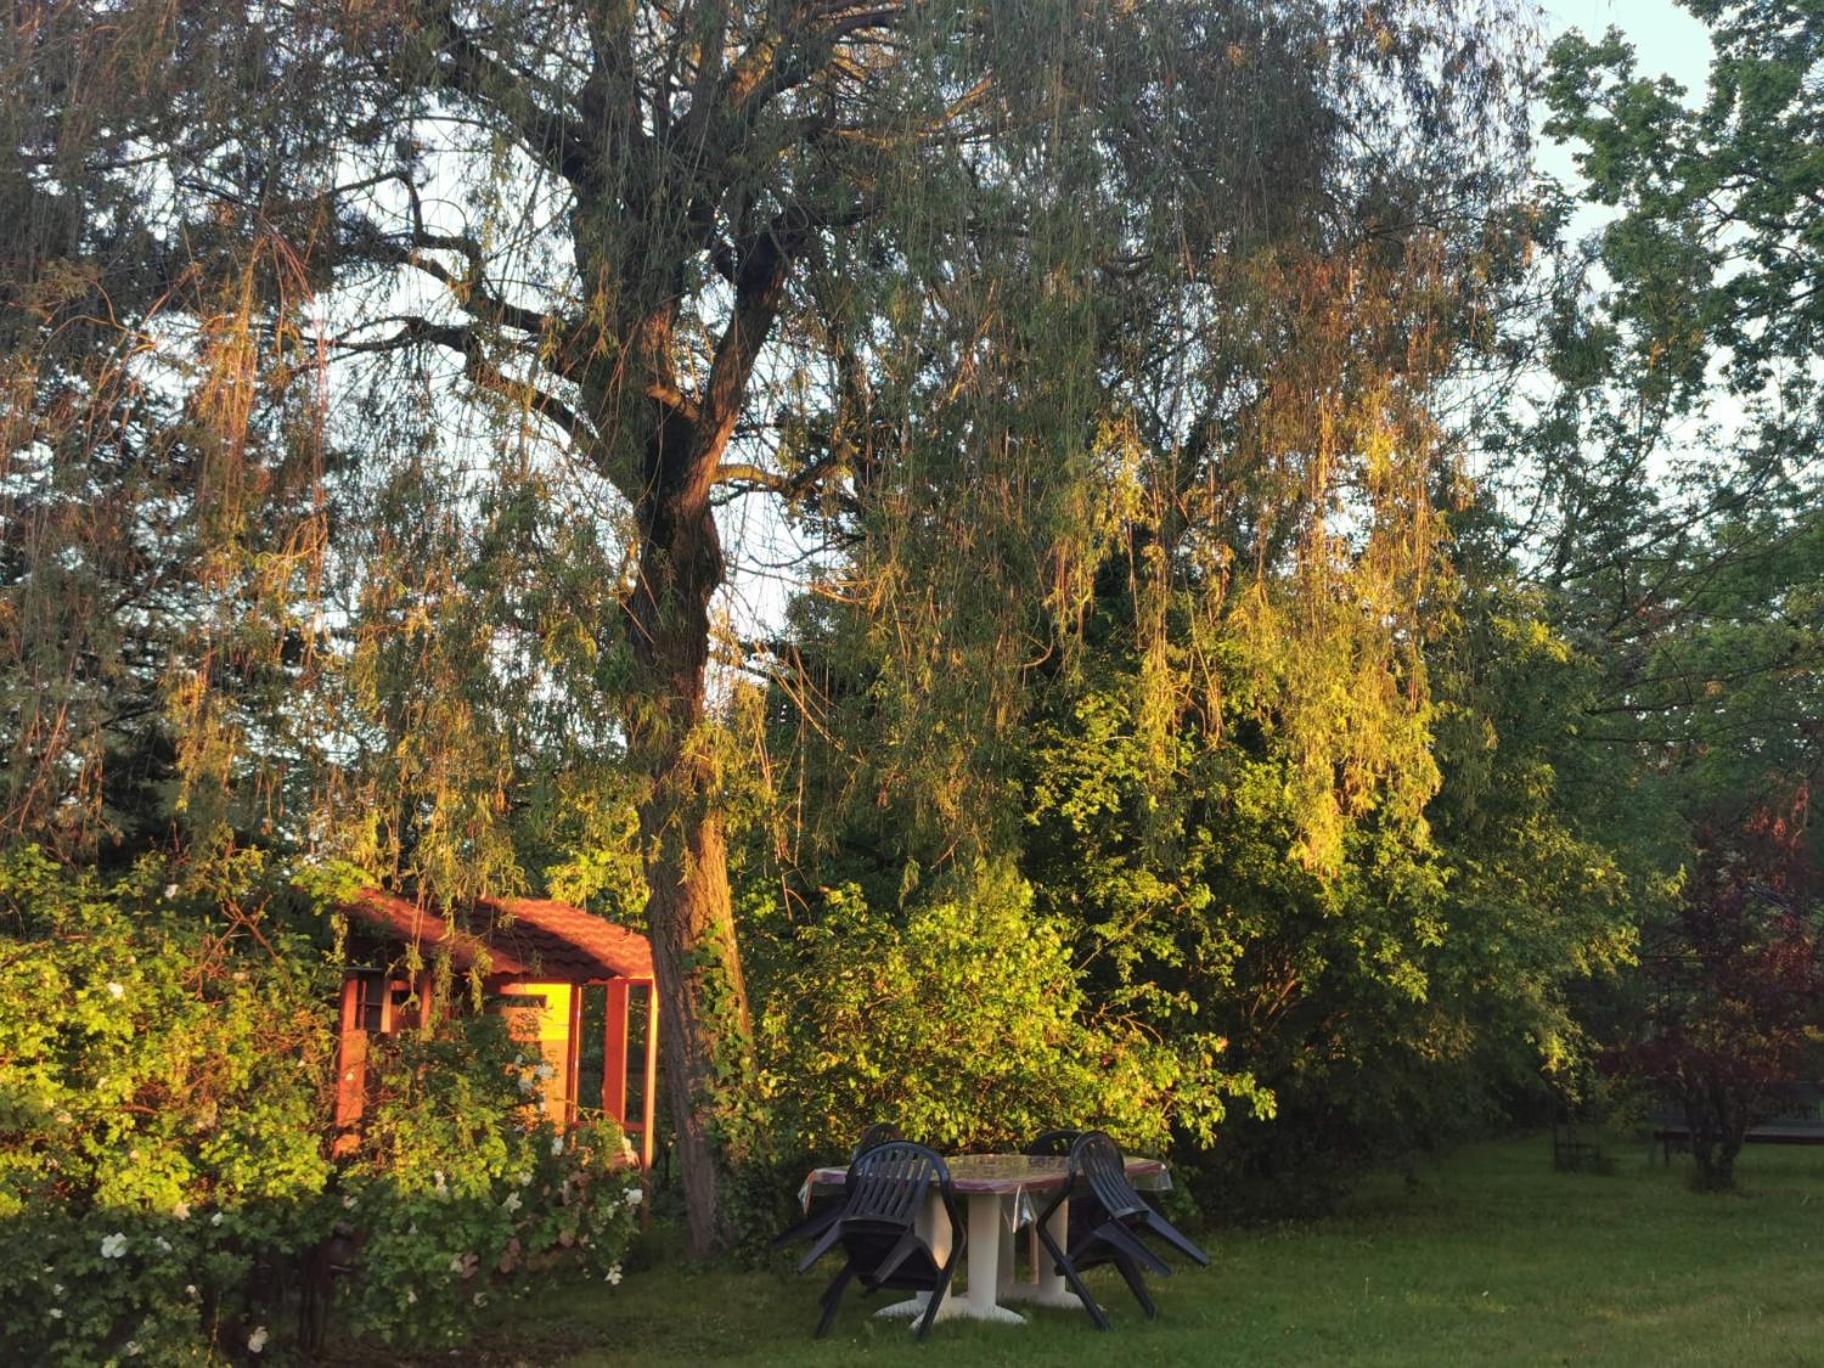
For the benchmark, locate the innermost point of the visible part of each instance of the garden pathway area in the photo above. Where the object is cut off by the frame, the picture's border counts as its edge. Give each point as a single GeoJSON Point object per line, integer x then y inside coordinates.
{"type": "Point", "coordinates": [1491, 1258]}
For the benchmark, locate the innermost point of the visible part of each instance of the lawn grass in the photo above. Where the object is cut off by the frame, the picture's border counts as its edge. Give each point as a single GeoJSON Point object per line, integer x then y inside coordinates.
{"type": "Point", "coordinates": [1492, 1258]}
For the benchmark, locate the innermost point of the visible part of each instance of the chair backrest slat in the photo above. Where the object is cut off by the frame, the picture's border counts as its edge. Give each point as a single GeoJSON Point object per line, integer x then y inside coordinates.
{"type": "Point", "coordinates": [1097, 1160]}
{"type": "Point", "coordinates": [889, 1183]}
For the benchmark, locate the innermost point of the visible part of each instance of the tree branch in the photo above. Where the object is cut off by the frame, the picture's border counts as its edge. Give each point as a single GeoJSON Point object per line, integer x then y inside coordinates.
{"type": "Point", "coordinates": [480, 370]}
{"type": "Point", "coordinates": [545, 133]}
{"type": "Point", "coordinates": [791, 487]}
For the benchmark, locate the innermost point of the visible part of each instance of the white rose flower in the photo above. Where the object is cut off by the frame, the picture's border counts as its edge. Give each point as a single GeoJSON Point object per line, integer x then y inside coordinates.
{"type": "Point", "coordinates": [170, 890]}
{"type": "Point", "coordinates": [132, 1348]}
{"type": "Point", "coordinates": [56, 1313]}
{"type": "Point", "coordinates": [525, 1180]}
{"type": "Point", "coordinates": [113, 1246]}
{"type": "Point", "coordinates": [456, 1264]}
{"type": "Point", "coordinates": [216, 1219]}
{"type": "Point", "coordinates": [190, 1289]}
{"type": "Point", "coordinates": [512, 1202]}
{"type": "Point", "coordinates": [256, 1342]}
{"type": "Point", "coordinates": [557, 1144]}
{"type": "Point", "coordinates": [348, 1202]}
{"type": "Point", "coordinates": [116, 992]}
{"type": "Point", "coordinates": [614, 1276]}
{"type": "Point", "coordinates": [56, 1289]}
{"type": "Point", "coordinates": [634, 1196]}
{"type": "Point", "coordinates": [411, 1297]}
{"type": "Point", "coordinates": [481, 1299]}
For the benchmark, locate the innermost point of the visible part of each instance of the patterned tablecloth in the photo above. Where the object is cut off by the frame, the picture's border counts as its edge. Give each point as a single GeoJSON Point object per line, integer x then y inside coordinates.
{"type": "Point", "coordinates": [1015, 1176]}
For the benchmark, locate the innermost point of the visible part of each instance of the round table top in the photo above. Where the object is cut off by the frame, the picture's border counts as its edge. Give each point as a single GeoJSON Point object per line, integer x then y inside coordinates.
{"type": "Point", "coordinates": [1007, 1174]}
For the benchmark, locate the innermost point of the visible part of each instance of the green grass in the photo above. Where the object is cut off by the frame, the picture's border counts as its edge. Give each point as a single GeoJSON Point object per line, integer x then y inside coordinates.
{"type": "Point", "coordinates": [1492, 1259]}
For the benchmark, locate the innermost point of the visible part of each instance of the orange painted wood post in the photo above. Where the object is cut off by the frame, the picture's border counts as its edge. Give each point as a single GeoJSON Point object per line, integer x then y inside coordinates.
{"type": "Point", "coordinates": [573, 1057]}
{"type": "Point", "coordinates": [351, 1067]}
{"type": "Point", "coordinates": [614, 1053]}
{"type": "Point", "coordinates": [426, 1003]}
{"type": "Point", "coordinates": [651, 1098]}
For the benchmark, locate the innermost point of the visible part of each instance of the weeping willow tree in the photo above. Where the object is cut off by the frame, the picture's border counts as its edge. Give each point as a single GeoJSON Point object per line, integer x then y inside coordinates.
{"type": "Point", "coordinates": [162, 462]}
{"type": "Point", "coordinates": [538, 301]}
{"type": "Point", "coordinates": [1150, 542]}
{"type": "Point", "coordinates": [1210, 377]}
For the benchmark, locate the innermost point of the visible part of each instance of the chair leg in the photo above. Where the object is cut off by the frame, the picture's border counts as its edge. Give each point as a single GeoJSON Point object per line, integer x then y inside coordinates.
{"type": "Point", "coordinates": [1166, 1231]}
{"type": "Point", "coordinates": [832, 1298]}
{"type": "Point", "coordinates": [1136, 1283]}
{"type": "Point", "coordinates": [809, 1228]}
{"type": "Point", "coordinates": [895, 1257]}
{"type": "Point", "coordinates": [1073, 1279]}
{"type": "Point", "coordinates": [938, 1294]}
{"type": "Point", "coordinates": [1123, 1241]}
{"type": "Point", "coordinates": [822, 1247]}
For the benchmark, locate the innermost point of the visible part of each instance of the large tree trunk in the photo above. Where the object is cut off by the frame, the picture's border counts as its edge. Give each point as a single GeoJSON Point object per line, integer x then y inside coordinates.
{"type": "Point", "coordinates": [706, 1031]}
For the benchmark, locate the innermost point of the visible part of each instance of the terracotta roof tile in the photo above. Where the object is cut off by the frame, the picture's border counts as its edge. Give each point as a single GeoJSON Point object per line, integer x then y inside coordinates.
{"type": "Point", "coordinates": [524, 937]}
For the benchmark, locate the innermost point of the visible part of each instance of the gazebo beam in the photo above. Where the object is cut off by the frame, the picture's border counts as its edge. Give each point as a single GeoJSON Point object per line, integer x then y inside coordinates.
{"type": "Point", "coordinates": [614, 1053]}
{"type": "Point", "coordinates": [652, 1075]}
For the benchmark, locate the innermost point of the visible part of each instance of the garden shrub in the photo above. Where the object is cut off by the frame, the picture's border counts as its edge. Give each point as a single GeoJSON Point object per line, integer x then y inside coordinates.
{"type": "Point", "coordinates": [962, 1020]}
{"type": "Point", "coordinates": [458, 1187]}
{"type": "Point", "coordinates": [167, 1054]}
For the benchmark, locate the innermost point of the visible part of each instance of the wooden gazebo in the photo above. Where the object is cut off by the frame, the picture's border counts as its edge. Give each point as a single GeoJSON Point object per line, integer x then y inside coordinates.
{"type": "Point", "coordinates": [542, 963]}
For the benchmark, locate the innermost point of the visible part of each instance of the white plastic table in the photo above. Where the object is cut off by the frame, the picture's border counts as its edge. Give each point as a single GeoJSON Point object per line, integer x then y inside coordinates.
{"type": "Point", "coordinates": [997, 1190]}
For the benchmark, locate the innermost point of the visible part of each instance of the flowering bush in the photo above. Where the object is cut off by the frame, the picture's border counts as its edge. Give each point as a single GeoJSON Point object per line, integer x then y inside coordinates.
{"type": "Point", "coordinates": [459, 1185]}
{"type": "Point", "coordinates": [166, 1191]}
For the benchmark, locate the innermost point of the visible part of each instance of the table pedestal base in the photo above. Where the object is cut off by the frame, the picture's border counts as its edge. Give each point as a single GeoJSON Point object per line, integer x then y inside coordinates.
{"type": "Point", "coordinates": [981, 1265]}
{"type": "Point", "coordinates": [1047, 1287]}
{"type": "Point", "coordinates": [1027, 1295]}
{"type": "Point", "coordinates": [954, 1308]}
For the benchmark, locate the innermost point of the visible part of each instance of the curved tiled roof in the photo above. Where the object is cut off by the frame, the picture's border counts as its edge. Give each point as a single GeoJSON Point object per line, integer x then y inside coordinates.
{"type": "Point", "coordinates": [526, 938]}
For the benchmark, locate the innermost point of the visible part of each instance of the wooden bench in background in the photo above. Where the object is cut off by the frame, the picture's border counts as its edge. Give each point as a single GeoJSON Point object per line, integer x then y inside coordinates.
{"type": "Point", "coordinates": [1802, 1123]}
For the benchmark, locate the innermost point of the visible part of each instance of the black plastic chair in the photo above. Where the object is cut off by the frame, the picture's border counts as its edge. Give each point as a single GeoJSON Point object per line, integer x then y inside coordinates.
{"type": "Point", "coordinates": [1051, 1144]}
{"type": "Point", "coordinates": [822, 1216]}
{"type": "Point", "coordinates": [1110, 1232]}
{"type": "Point", "coordinates": [877, 1229]}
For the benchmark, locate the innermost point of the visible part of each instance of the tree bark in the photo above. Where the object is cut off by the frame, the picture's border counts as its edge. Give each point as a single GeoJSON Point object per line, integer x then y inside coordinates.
{"type": "Point", "coordinates": [708, 1031]}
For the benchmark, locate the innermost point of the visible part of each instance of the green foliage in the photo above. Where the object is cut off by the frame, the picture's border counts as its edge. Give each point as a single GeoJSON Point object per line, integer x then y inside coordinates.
{"type": "Point", "coordinates": [1678, 525]}
{"type": "Point", "coordinates": [1675, 466]}
{"type": "Point", "coordinates": [1388, 1006]}
{"type": "Point", "coordinates": [154, 1058]}
{"type": "Point", "coordinates": [962, 1020]}
{"type": "Point", "coordinates": [166, 1065]}
{"type": "Point", "coordinates": [458, 1200]}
